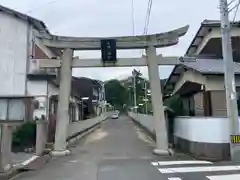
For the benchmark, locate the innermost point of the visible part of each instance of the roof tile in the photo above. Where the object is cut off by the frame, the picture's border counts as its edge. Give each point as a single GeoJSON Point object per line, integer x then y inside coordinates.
{"type": "Point", "coordinates": [212, 66]}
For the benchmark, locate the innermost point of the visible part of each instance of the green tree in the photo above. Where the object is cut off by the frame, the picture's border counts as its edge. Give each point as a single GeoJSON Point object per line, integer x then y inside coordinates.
{"type": "Point", "coordinates": [116, 93]}
{"type": "Point", "coordinates": [174, 103]}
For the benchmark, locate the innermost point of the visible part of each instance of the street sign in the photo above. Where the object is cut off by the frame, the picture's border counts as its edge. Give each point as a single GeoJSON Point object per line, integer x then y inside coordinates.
{"type": "Point", "coordinates": [109, 50]}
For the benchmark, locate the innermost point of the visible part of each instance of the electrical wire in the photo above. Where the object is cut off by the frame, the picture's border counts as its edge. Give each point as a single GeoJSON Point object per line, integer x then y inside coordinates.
{"type": "Point", "coordinates": [235, 13]}
{"type": "Point", "coordinates": [232, 1]}
{"type": "Point", "coordinates": [39, 7]}
{"type": "Point", "coordinates": [147, 20]}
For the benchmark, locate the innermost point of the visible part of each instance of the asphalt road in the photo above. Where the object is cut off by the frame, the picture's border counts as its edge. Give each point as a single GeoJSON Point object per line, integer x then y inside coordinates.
{"type": "Point", "coordinates": [121, 151]}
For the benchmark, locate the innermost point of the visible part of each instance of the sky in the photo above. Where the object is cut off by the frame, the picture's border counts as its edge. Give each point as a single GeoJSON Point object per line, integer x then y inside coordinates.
{"type": "Point", "coordinates": [113, 18]}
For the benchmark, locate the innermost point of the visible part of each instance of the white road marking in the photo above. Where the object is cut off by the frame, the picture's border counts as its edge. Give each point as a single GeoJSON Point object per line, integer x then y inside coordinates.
{"type": "Point", "coordinates": [29, 160]}
{"type": "Point", "coordinates": [225, 177]}
{"type": "Point", "coordinates": [154, 163]}
{"type": "Point", "coordinates": [174, 178]}
{"type": "Point", "coordinates": [167, 163]}
{"type": "Point", "coordinates": [198, 169]}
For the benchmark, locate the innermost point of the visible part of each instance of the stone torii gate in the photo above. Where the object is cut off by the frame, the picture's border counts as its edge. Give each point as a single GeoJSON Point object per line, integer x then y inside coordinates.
{"type": "Point", "coordinates": [152, 60]}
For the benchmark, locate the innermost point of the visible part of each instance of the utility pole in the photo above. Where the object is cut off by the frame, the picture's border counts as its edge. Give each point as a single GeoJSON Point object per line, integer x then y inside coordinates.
{"type": "Point", "coordinates": [135, 93]}
{"type": "Point", "coordinates": [229, 75]}
{"type": "Point", "coordinates": [130, 95]}
{"type": "Point", "coordinates": [146, 99]}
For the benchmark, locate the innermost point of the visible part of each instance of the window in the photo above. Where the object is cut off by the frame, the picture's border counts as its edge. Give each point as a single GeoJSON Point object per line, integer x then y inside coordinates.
{"type": "Point", "coordinates": [16, 109]}
{"type": "Point", "coordinates": [238, 100]}
{"type": "Point", "coordinates": [3, 109]}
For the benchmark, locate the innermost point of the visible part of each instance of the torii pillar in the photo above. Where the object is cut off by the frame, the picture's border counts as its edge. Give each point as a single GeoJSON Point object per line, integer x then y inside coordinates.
{"type": "Point", "coordinates": [60, 144]}
{"type": "Point", "coordinates": [157, 103]}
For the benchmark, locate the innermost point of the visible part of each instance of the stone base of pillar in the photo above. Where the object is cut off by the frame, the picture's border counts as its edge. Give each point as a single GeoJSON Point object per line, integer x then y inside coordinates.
{"type": "Point", "coordinates": [163, 152]}
{"type": "Point", "coordinates": [60, 153]}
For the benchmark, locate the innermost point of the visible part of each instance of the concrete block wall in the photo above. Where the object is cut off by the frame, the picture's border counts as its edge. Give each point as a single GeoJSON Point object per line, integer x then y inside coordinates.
{"type": "Point", "coordinates": [77, 130]}
{"type": "Point", "coordinates": [145, 120]}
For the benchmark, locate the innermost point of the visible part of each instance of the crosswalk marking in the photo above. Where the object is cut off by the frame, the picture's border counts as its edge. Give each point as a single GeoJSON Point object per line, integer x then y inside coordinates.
{"type": "Point", "coordinates": [167, 163]}
{"type": "Point", "coordinates": [224, 177]}
{"type": "Point", "coordinates": [198, 169]}
{"type": "Point", "coordinates": [174, 178]}
{"type": "Point", "coordinates": [155, 163]}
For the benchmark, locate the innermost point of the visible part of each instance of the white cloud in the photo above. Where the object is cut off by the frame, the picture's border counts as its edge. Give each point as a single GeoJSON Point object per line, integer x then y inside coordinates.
{"type": "Point", "coordinates": [113, 18]}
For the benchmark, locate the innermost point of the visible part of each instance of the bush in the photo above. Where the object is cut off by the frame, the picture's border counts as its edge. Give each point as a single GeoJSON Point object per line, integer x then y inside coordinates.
{"type": "Point", "coordinates": [25, 135]}
{"type": "Point", "coordinates": [175, 104]}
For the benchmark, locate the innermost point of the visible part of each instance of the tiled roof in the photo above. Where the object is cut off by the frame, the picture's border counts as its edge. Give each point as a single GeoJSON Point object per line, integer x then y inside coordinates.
{"type": "Point", "coordinates": [210, 66]}
{"type": "Point", "coordinates": [203, 66]}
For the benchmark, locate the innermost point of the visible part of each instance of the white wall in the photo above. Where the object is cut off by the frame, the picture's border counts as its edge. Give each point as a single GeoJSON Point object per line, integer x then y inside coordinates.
{"type": "Point", "coordinates": [37, 88]}
{"type": "Point", "coordinates": [198, 129]}
{"type": "Point", "coordinates": [41, 88]}
{"type": "Point", "coordinates": [13, 51]}
{"type": "Point", "coordinates": [202, 129]}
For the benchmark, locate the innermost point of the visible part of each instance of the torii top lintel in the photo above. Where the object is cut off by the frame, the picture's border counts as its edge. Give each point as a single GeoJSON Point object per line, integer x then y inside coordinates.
{"type": "Point", "coordinates": [125, 42]}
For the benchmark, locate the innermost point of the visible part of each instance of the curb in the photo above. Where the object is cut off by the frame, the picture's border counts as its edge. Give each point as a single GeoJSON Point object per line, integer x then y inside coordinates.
{"type": "Point", "coordinates": [37, 162]}
{"type": "Point", "coordinates": [31, 164]}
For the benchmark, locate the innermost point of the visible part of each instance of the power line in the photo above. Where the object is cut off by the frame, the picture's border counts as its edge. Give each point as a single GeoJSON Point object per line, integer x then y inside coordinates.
{"type": "Point", "coordinates": [39, 7]}
{"type": "Point", "coordinates": [147, 18]}
{"type": "Point", "coordinates": [235, 13]}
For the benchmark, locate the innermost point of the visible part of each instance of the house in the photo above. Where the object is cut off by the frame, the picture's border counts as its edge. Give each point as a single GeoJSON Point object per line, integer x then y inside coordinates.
{"type": "Point", "coordinates": [92, 93]}
{"type": "Point", "coordinates": [200, 83]}
{"type": "Point", "coordinates": [19, 72]}
{"type": "Point", "coordinates": [203, 128]}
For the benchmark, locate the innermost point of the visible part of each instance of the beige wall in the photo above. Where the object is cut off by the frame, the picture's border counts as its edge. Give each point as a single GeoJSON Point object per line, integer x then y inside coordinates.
{"type": "Point", "coordinates": [199, 104]}
{"type": "Point", "coordinates": [218, 101]}
{"type": "Point", "coordinates": [215, 33]}
{"type": "Point", "coordinates": [211, 82]}
{"type": "Point", "coordinates": [215, 82]}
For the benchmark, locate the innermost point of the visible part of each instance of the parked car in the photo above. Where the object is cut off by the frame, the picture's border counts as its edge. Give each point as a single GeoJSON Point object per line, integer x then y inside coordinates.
{"type": "Point", "coordinates": [115, 116]}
